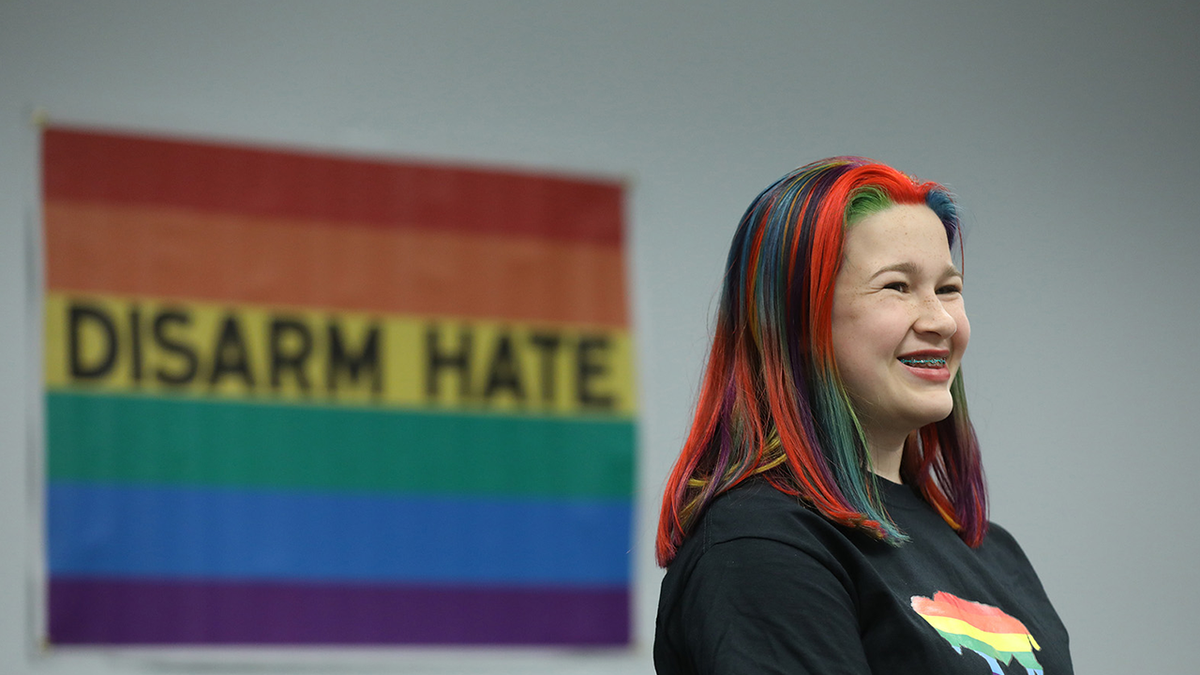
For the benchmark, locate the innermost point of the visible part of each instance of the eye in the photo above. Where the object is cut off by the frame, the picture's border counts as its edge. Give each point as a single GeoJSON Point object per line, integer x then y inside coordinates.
{"type": "Point", "coordinates": [950, 289]}
{"type": "Point", "coordinates": [897, 286]}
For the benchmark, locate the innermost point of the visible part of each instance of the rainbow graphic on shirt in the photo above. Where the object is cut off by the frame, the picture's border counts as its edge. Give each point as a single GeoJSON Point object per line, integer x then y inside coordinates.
{"type": "Point", "coordinates": [983, 629]}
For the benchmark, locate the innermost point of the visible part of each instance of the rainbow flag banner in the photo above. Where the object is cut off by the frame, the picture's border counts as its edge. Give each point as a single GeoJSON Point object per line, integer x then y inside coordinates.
{"type": "Point", "coordinates": [295, 398]}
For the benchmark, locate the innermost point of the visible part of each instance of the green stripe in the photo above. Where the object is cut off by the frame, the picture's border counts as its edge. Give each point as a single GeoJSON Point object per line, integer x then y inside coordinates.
{"type": "Point", "coordinates": [197, 442]}
{"type": "Point", "coordinates": [968, 642]}
{"type": "Point", "coordinates": [1025, 658]}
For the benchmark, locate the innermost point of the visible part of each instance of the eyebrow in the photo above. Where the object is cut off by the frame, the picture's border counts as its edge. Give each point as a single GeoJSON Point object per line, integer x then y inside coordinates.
{"type": "Point", "coordinates": [912, 270]}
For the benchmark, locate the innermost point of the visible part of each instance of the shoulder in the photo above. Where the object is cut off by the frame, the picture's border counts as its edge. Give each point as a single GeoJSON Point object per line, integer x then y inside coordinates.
{"type": "Point", "coordinates": [999, 542]}
{"type": "Point", "coordinates": [761, 577]}
{"type": "Point", "coordinates": [757, 534]}
{"type": "Point", "coordinates": [1000, 536]}
{"type": "Point", "coordinates": [756, 510]}
{"type": "Point", "coordinates": [1001, 551]}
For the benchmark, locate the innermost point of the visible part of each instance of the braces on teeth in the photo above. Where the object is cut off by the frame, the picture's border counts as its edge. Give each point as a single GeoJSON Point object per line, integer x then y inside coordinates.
{"type": "Point", "coordinates": [934, 361]}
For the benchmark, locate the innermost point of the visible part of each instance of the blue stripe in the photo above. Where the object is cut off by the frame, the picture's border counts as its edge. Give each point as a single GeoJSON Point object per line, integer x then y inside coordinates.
{"type": "Point", "coordinates": [135, 531]}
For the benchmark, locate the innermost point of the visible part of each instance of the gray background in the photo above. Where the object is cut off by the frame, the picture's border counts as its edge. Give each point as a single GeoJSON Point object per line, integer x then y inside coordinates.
{"type": "Point", "coordinates": [1068, 130]}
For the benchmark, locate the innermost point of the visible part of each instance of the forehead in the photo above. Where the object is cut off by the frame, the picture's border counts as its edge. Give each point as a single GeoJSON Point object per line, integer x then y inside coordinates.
{"type": "Point", "coordinates": [900, 232]}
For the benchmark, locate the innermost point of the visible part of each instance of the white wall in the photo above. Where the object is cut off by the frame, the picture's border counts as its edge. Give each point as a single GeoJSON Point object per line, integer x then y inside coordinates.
{"type": "Point", "coordinates": [1069, 133]}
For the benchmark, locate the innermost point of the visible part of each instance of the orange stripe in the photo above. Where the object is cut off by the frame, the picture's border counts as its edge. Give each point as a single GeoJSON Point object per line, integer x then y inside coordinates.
{"type": "Point", "coordinates": [138, 250]}
{"type": "Point", "coordinates": [984, 617]}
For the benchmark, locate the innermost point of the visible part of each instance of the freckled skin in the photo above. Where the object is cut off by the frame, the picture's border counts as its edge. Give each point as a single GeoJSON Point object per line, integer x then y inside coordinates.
{"type": "Point", "coordinates": [897, 293]}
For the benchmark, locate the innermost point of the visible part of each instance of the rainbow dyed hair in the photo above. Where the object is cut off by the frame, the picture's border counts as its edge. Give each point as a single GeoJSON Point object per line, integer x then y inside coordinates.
{"type": "Point", "coordinates": [772, 403]}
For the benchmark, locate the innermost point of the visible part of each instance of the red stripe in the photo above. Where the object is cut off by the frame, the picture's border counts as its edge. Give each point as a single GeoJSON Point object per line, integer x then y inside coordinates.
{"type": "Point", "coordinates": [100, 611]}
{"type": "Point", "coordinates": [984, 617]}
{"type": "Point", "coordinates": [126, 169]}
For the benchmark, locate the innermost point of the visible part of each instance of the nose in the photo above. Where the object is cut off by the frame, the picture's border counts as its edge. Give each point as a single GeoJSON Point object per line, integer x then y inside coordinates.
{"type": "Point", "coordinates": [933, 318]}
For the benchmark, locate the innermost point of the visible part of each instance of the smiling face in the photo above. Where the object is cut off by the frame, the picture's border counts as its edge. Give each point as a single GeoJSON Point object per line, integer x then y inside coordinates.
{"type": "Point", "coordinates": [899, 326]}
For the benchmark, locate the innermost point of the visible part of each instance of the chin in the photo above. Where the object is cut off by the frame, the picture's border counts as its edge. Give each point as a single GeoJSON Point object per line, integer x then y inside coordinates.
{"type": "Point", "coordinates": [934, 413]}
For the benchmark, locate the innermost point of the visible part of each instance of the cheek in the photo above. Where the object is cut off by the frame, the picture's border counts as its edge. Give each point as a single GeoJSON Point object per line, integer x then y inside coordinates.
{"type": "Point", "coordinates": [882, 328]}
{"type": "Point", "coordinates": [864, 341]}
{"type": "Point", "coordinates": [849, 347]}
{"type": "Point", "coordinates": [963, 335]}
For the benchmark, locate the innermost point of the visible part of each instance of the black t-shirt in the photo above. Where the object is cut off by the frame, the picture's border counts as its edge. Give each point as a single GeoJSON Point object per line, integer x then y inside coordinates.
{"type": "Point", "coordinates": [766, 585]}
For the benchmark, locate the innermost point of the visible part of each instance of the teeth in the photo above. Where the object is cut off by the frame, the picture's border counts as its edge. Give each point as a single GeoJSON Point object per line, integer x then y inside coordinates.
{"type": "Point", "coordinates": [932, 362]}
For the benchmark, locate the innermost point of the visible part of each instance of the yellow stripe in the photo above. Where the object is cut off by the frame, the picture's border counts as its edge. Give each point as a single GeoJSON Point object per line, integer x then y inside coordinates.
{"type": "Point", "coordinates": [153, 345]}
{"type": "Point", "coordinates": [1003, 642]}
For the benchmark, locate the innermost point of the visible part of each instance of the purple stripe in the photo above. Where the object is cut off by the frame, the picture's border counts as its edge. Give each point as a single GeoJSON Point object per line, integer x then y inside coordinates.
{"type": "Point", "coordinates": [105, 611]}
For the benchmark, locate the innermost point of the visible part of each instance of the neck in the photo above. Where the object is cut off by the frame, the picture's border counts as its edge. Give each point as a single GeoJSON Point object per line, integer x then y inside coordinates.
{"type": "Point", "coordinates": [886, 453]}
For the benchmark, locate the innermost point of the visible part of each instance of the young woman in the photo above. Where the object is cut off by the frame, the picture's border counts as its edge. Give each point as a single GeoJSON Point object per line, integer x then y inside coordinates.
{"type": "Point", "coordinates": [828, 512]}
